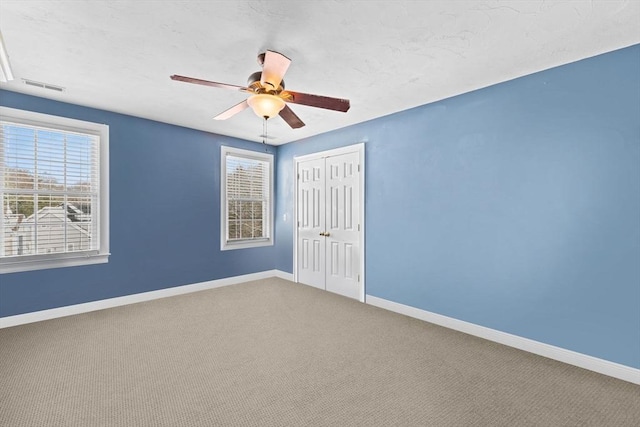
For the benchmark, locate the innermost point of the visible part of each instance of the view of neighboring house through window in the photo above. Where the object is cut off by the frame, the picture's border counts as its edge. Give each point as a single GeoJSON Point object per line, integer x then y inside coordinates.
{"type": "Point", "coordinates": [246, 198]}
{"type": "Point", "coordinates": [51, 191]}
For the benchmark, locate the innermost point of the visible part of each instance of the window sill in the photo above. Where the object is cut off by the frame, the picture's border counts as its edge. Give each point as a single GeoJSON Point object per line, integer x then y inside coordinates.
{"type": "Point", "coordinates": [16, 266]}
{"type": "Point", "coordinates": [227, 246]}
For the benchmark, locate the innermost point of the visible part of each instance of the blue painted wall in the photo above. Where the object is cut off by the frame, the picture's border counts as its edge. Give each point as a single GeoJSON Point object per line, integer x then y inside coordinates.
{"type": "Point", "coordinates": [515, 207]}
{"type": "Point", "coordinates": [164, 215]}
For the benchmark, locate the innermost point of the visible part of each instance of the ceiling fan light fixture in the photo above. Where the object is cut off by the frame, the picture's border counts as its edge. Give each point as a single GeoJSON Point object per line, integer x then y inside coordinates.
{"type": "Point", "coordinates": [265, 105]}
{"type": "Point", "coordinates": [266, 102]}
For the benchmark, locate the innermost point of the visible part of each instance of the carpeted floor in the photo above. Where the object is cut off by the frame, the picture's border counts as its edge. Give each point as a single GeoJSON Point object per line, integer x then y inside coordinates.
{"type": "Point", "coordinates": [273, 353]}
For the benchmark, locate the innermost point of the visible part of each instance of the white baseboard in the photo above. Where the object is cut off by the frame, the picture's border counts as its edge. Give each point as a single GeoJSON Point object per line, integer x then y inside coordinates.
{"type": "Point", "coordinates": [584, 361]}
{"type": "Point", "coordinates": [283, 275]}
{"type": "Point", "coordinates": [37, 316]}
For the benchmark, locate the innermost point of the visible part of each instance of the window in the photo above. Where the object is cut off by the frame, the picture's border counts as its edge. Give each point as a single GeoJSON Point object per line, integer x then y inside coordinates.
{"type": "Point", "coordinates": [54, 190]}
{"type": "Point", "coordinates": [246, 199]}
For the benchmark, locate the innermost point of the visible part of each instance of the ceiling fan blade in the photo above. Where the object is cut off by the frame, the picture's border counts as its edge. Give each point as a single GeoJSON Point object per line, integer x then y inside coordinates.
{"type": "Point", "coordinates": [209, 83]}
{"type": "Point", "coordinates": [328, 103]}
{"type": "Point", "coordinates": [273, 69]}
{"type": "Point", "coordinates": [232, 111]}
{"type": "Point", "coordinates": [290, 117]}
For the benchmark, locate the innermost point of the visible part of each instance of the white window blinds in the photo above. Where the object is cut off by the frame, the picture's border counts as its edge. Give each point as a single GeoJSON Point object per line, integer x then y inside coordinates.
{"type": "Point", "coordinates": [246, 198]}
{"type": "Point", "coordinates": [49, 187]}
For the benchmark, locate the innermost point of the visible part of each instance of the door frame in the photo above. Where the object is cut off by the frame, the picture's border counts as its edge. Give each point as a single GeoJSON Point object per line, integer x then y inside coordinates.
{"type": "Point", "coordinates": [355, 148]}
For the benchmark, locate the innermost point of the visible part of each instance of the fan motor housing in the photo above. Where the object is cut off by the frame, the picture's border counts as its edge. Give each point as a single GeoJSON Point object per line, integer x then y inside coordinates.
{"type": "Point", "coordinates": [254, 82]}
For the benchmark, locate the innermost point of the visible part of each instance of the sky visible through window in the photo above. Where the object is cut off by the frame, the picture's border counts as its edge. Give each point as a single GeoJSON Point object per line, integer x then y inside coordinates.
{"type": "Point", "coordinates": [62, 158]}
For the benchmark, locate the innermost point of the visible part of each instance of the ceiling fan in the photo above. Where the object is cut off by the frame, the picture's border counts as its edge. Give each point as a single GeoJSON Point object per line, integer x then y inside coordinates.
{"type": "Point", "coordinates": [268, 96]}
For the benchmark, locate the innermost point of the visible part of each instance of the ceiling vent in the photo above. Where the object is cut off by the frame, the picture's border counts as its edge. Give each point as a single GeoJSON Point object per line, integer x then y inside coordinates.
{"type": "Point", "coordinates": [43, 85]}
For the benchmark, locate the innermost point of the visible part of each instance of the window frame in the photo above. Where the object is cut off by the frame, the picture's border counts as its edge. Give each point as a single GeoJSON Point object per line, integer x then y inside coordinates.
{"type": "Point", "coordinates": [66, 259]}
{"type": "Point", "coordinates": [225, 243]}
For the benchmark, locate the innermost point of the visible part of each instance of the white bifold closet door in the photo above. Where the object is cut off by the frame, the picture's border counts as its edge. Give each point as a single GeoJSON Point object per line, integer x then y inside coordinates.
{"type": "Point", "coordinates": [328, 223]}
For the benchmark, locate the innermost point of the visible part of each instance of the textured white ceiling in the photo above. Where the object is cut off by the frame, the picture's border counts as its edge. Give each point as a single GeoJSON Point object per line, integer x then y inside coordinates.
{"type": "Point", "coordinates": [385, 56]}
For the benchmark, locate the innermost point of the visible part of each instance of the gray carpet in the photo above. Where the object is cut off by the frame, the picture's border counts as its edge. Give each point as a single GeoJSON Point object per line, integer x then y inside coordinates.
{"type": "Point", "coordinates": [273, 353]}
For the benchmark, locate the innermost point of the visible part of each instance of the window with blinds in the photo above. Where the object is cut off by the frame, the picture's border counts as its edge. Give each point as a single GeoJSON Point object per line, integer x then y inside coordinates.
{"type": "Point", "coordinates": [51, 192]}
{"type": "Point", "coordinates": [246, 198]}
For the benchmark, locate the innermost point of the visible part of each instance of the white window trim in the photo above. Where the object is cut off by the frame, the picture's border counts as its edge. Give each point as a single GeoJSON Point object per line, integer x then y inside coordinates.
{"type": "Point", "coordinates": [99, 256]}
{"type": "Point", "coordinates": [268, 157]}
